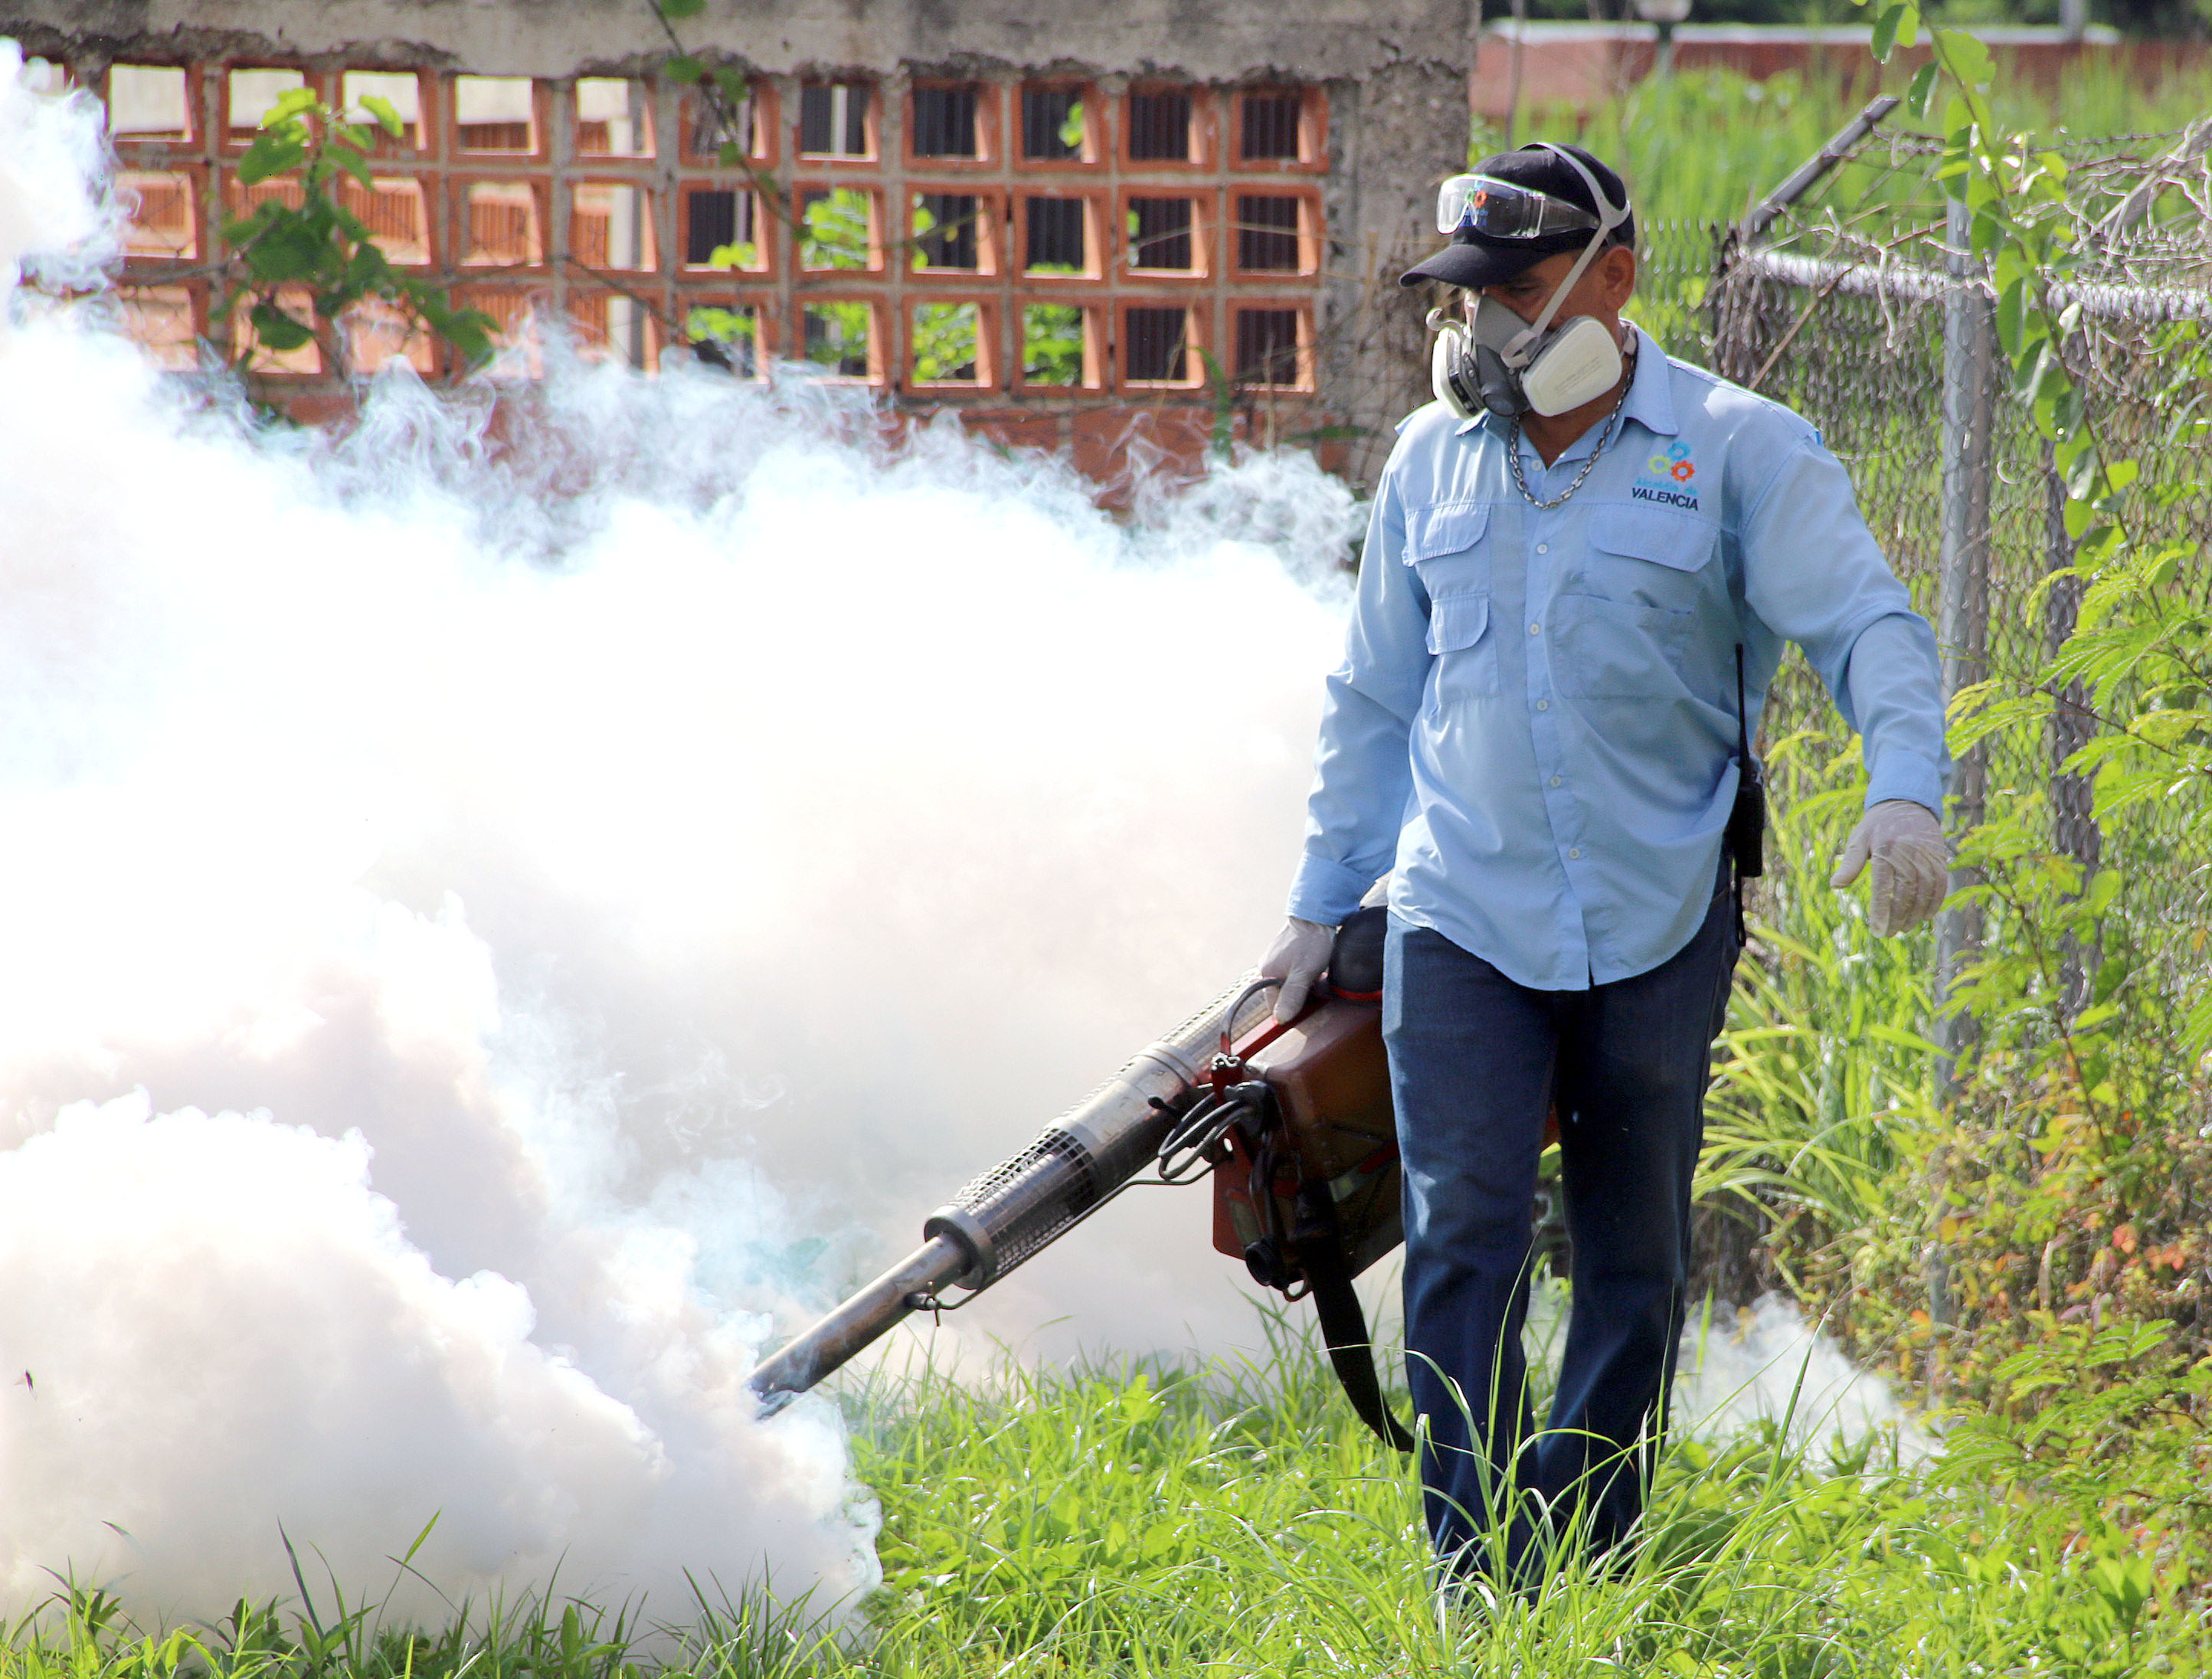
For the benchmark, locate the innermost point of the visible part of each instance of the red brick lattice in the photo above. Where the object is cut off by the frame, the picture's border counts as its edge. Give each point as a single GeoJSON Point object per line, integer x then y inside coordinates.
{"type": "Point", "coordinates": [996, 244]}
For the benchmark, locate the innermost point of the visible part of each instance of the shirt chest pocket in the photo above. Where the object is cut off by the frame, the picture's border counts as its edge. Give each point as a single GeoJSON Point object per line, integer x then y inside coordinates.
{"type": "Point", "coordinates": [1449, 547]}
{"type": "Point", "coordinates": [1629, 617]}
{"type": "Point", "coordinates": [1647, 557]}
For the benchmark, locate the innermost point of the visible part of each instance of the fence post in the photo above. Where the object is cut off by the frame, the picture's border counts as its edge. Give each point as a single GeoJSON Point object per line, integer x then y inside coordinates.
{"type": "Point", "coordinates": [1963, 581]}
{"type": "Point", "coordinates": [1513, 75]}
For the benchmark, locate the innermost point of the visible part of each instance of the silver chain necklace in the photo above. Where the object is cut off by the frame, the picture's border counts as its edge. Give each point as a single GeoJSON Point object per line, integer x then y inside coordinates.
{"type": "Point", "coordinates": [1612, 433]}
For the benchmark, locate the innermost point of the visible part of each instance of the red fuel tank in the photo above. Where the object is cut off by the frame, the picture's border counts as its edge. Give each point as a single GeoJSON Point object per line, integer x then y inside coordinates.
{"type": "Point", "coordinates": [1331, 1079]}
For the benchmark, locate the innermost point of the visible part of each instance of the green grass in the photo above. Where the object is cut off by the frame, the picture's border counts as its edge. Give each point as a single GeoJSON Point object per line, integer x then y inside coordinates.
{"type": "Point", "coordinates": [1701, 148]}
{"type": "Point", "coordinates": [1239, 1522]}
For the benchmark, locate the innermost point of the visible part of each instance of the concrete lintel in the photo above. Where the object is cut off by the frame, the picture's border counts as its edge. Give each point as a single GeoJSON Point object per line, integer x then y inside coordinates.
{"type": "Point", "coordinates": [1543, 31]}
{"type": "Point", "coordinates": [1213, 40]}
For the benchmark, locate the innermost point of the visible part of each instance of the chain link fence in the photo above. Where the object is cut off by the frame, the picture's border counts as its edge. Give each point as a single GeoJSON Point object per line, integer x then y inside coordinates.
{"type": "Point", "coordinates": [1882, 330]}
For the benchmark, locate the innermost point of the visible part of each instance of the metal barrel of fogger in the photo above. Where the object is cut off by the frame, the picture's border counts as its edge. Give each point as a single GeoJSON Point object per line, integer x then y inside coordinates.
{"type": "Point", "coordinates": [1016, 1209]}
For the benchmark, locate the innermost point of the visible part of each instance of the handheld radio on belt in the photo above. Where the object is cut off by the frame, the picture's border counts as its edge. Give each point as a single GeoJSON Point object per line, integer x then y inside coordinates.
{"type": "Point", "coordinates": [1747, 822]}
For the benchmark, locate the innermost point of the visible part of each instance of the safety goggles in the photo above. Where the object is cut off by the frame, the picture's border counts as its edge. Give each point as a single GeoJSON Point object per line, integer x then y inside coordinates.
{"type": "Point", "coordinates": [1500, 209]}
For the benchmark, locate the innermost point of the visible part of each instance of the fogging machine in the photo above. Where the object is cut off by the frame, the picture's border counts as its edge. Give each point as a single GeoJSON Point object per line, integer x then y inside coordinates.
{"type": "Point", "coordinates": [1291, 1121]}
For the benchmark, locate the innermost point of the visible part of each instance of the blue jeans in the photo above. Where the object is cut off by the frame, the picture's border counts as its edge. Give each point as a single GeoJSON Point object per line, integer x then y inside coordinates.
{"type": "Point", "coordinates": [1476, 1061]}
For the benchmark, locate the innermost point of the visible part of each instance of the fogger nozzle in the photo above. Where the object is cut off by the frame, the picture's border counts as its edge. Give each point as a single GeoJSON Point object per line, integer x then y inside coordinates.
{"type": "Point", "coordinates": [936, 1264]}
{"type": "Point", "coordinates": [1017, 1209]}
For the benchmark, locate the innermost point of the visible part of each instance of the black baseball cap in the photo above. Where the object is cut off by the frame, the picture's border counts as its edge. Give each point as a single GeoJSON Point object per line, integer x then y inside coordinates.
{"type": "Point", "coordinates": [1474, 261]}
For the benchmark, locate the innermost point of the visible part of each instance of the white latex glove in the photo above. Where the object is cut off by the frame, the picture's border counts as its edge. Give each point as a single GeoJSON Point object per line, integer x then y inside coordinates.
{"type": "Point", "coordinates": [1911, 864]}
{"type": "Point", "coordinates": [1297, 957]}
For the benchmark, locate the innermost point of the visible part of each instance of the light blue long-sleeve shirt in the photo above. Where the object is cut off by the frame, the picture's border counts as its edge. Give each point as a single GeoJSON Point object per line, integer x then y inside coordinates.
{"type": "Point", "coordinates": [1534, 722]}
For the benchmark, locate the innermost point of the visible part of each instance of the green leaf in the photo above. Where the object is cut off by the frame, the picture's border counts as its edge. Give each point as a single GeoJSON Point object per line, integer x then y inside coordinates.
{"type": "Point", "coordinates": [724, 326]}
{"type": "Point", "coordinates": [293, 103]}
{"type": "Point", "coordinates": [1968, 60]}
{"type": "Point", "coordinates": [277, 329]}
{"type": "Point", "coordinates": [270, 154]}
{"type": "Point", "coordinates": [2196, 1025]}
{"type": "Point", "coordinates": [743, 254]}
{"type": "Point", "coordinates": [2090, 1018]}
{"type": "Point", "coordinates": [348, 226]}
{"type": "Point", "coordinates": [2071, 447]}
{"type": "Point", "coordinates": [1921, 94]}
{"type": "Point", "coordinates": [366, 271]}
{"type": "Point", "coordinates": [2169, 728]}
{"type": "Point", "coordinates": [686, 68]}
{"type": "Point", "coordinates": [677, 10]}
{"type": "Point", "coordinates": [2067, 411]}
{"type": "Point", "coordinates": [733, 85]}
{"type": "Point", "coordinates": [420, 1537]}
{"type": "Point", "coordinates": [286, 250]}
{"type": "Point", "coordinates": [387, 118]}
{"type": "Point", "coordinates": [2081, 475]}
{"type": "Point", "coordinates": [2013, 305]}
{"type": "Point", "coordinates": [2050, 378]}
{"type": "Point", "coordinates": [1889, 25]}
{"type": "Point", "coordinates": [2125, 1583]}
{"type": "Point", "coordinates": [1988, 233]}
{"type": "Point", "coordinates": [468, 331]}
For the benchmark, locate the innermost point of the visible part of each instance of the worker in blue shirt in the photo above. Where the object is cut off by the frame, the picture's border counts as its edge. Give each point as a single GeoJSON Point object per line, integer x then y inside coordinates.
{"type": "Point", "coordinates": [1583, 562]}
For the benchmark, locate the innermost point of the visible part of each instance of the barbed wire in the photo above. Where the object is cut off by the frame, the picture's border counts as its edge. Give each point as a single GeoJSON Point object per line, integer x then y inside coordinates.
{"type": "Point", "coordinates": [2141, 220]}
{"type": "Point", "coordinates": [1913, 140]}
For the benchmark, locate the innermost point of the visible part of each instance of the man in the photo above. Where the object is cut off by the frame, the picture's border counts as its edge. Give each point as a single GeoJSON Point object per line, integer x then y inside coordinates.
{"type": "Point", "coordinates": [1579, 557]}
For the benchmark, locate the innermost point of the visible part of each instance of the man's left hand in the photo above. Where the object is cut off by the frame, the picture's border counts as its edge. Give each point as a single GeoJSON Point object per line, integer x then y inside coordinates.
{"type": "Point", "coordinates": [1911, 864]}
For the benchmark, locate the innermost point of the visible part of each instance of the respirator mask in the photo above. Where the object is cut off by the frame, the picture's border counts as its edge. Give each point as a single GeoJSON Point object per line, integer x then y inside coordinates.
{"type": "Point", "coordinates": [1495, 360]}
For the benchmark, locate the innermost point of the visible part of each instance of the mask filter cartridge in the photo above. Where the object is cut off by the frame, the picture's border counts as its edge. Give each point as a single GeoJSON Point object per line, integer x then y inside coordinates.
{"type": "Point", "coordinates": [1578, 361]}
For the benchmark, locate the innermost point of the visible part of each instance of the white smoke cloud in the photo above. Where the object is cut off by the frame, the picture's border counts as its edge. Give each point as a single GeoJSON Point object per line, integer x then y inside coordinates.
{"type": "Point", "coordinates": [232, 1333]}
{"type": "Point", "coordinates": [55, 209]}
{"type": "Point", "coordinates": [1765, 1363]}
{"type": "Point", "coordinates": [503, 918]}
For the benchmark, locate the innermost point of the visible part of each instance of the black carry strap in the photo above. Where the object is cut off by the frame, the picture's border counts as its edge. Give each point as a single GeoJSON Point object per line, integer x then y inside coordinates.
{"type": "Point", "coordinates": [1343, 1324]}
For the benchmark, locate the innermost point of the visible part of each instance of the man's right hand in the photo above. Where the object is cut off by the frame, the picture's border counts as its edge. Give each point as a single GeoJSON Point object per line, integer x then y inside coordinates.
{"type": "Point", "coordinates": [1299, 957]}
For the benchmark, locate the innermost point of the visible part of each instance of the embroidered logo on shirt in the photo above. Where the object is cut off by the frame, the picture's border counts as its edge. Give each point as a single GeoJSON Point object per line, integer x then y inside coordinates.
{"type": "Point", "coordinates": [1665, 477]}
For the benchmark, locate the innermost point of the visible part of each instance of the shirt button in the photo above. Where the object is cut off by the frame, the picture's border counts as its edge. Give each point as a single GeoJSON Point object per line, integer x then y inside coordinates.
{"type": "Point", "coordinates": [1543, 705]}
{"type": "Point", "coordinates": [1555, 781]}
{"type": "Point", "coordinates": [1535, 629]}
{"type": "Point", "coordinates": [1543, 548]}
{"type": "Point", "coordinates": [1574, 851]}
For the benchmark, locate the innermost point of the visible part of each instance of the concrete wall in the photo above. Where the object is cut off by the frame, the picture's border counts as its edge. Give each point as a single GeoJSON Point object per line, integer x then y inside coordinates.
{"type": "Point", "coordinates": [1409, 132]}
{"type": "Point", "coordinates": [1396, 75]}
